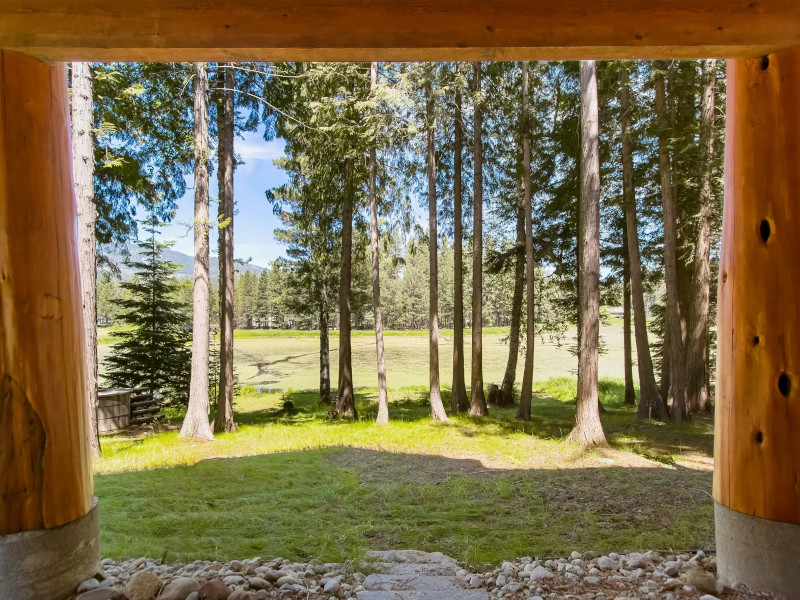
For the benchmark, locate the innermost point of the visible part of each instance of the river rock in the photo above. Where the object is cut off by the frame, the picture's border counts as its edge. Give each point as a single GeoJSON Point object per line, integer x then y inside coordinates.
{"type": "Point", "coordinates": [272, 575]}
{"type": "Point", "coordinates": [541, 573]}
{"type": "Point", "coordinates": [606, 563]}
{"type": "Point", "coordinates": [705, 582]}
{"type": "Point", "coordinates": [242, 595]}
{"type": "Point", "coordinates": [214, 590]}
{"type": "Point", "coordinates": [101, 593]}
{"type": "Point", "coordinates": [87, 585]}
{"type": "Point", "coordinates": [143, 585]}
{"type": "Point", "coordinates": [179, 588]}
{"type": "Point", "coordinates": [257, 583]}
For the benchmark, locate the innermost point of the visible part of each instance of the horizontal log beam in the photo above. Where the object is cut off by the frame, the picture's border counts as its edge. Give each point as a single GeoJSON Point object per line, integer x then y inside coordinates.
{"type": "Point", "coordinates": [336, 30]}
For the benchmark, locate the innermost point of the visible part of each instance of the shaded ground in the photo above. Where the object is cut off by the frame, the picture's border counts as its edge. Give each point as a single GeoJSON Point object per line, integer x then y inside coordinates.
{"type": "Point", "coordinates": [481, 490]}
{"type": "Point", "coordinates": [304, 504]}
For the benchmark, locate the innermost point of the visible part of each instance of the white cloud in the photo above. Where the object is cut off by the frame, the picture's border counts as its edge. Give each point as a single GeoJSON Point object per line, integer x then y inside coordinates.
{"type": "Point", "coordinates": [254, 149]}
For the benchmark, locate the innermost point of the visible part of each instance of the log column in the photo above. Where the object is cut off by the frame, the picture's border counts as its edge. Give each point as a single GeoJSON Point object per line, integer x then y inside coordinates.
{"type": "Point", "coordinates": [757, 441]}
{"type": "Point", "coordinates": [48, 517]}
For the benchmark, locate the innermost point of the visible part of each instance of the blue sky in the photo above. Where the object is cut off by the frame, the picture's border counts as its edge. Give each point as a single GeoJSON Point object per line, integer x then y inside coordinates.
{"type": "Point", "coordinates": [254, 221]}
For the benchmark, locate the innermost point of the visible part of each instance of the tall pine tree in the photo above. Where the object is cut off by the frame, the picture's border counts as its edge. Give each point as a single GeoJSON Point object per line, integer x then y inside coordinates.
{"type": "Point", "coordinates": [154, 352]}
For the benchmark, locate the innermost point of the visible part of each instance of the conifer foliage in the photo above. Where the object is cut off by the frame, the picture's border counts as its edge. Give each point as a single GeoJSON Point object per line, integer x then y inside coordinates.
{"type": "Point", "coordinates": [154, 350]}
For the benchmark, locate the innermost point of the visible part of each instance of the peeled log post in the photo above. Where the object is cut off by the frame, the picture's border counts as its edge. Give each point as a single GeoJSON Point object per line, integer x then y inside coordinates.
{"type": "Point", "coordinates": [757, 447]}
{"type": "Point", "coordinates": [47, 513]}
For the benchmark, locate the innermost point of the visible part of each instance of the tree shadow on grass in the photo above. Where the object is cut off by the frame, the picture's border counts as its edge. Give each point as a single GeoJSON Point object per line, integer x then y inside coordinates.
{"type": "Point", "coordinates": [334, 503]}
{"type": "Point", "coordinates": [552, 418]}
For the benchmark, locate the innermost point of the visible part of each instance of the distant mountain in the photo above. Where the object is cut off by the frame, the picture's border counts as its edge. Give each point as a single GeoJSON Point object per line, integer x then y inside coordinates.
{"type": "Point", "coordinates": [184, 261]}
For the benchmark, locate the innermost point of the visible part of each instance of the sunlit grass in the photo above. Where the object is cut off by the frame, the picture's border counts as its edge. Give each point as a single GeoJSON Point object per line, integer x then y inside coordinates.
{"type": "Point", "coordinates": [104, 333]}
{"type": "Point", "coordinates": [299, 485]}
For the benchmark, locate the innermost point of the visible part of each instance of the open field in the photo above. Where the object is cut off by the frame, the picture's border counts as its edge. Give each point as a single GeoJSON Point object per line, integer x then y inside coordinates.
{"type": "Point", "coordinates": [277, 360]}
{"type": "Point", "coordinates": [295, 484]}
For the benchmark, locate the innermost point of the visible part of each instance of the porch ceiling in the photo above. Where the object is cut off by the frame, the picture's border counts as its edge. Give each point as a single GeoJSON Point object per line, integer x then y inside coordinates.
{"type": "Point", "coordinates": [334, 30]}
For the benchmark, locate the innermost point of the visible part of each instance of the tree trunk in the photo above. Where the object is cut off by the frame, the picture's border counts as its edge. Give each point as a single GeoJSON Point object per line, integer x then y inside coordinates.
{"type": "Point", "coordinates": [437, 407]}
{"type": "Point", "coordinates": [195, 423]}
{"type": "Point", "coordinates": [46, 485]}
{"type": "Point", "coordinates": [588, 430]}
{"type": "Point", "coordinates": [650, 403]}
{"type": "Point", "coordinates": [507, 389]}
{"type": "Point", "coordinates": [458, 398]}
{"type": "Point", "coordinates": [630, 392]}
{"type": "Point", "coordinates": [696, 364]}
{"type": "Point", "coordinates": [478, 399]}
{"type": "Point", "coordinates": [83, 178]}
{"type": "Point", "coordinates": [345, 403]}
{"type": "Point", "coordinates": [524, 411]}
{"type": "Point", "coordinates": [676, 359]}
{"type": "Point", "coordinates": [665, 383]}
{"type": "Point", "coordinates": [223, 419]}
{"type": "Point", "coordinates": [324, 347]}
{"type": "Point", "coordinates": [383, 398]}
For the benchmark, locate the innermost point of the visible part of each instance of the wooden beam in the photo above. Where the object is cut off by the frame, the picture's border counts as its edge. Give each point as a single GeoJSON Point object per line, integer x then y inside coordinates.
{"type": "Point", "coordinates": [337, 30]}
{"type": "Point", "coordinates": [757, 446]}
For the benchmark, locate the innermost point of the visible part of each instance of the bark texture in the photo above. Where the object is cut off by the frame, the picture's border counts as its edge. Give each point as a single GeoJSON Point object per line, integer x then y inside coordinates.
{"type": "Point", "coordinates": [697, 351]}
{"type": "Point", "coordinates": [196, 424]}
{"type": "Point", "coordinates": [83, 179]}
{"type": "Point", "coordinates": [588, 430]}
{"type": "Point", "coordinates": [630, 392]}
{"type": "Point", "coordinates": [651, 404]}
{"type": "Point", "coordinates": [478, 399]}
{"type": "Point", "coordinates": [324, 347]}
{"type": "Point", "coordinates": [345, 402]}
{"type": "Point", "coordinates": [677, 366]}
{"type": "Point", "coordinates": [524, 411]}
{"type": "Point", "coordinates": [383, 398]}
{"type": "Point", "coordinates": [458, 397]}
{"type": "Point", "coordinates": [223, 419]}
{"type": "Point", "coordinates": [437, 407]}
{"type": "Point", "coordinates": [507, 388]}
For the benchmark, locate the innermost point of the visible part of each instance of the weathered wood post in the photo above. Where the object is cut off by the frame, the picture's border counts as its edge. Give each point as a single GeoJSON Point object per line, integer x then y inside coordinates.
{"type": "Point", "coordinates": [757, 438]}
{"type": "Point", "coordinates": [48, 519]}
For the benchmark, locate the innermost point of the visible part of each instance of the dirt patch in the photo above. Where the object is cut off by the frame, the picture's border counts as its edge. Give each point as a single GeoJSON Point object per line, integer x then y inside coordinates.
{"type": "Point", "coordinates": [632, 491]}
{"type": "Point", "coordinates": [389, 467]}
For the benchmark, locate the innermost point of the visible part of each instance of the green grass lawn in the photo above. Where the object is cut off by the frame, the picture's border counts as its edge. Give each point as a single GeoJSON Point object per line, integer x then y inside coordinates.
{"type": "Point", "coordinates": [279, 362]}
{"type": "Point", "coordinates": [299, 485]}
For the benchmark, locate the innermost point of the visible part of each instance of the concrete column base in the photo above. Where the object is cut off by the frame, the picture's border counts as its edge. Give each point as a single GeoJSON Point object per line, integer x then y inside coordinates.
{"type": "Point", "coordinates": [50, 563]}
{"type": "Point", "coordinates": [761, 554]}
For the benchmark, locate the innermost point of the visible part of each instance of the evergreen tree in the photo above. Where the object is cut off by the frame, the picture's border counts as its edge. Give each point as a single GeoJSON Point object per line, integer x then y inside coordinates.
{"type": "Point", "coordinates": [262, 311]}
{"type": "Point", "coordinates": [155, 352]}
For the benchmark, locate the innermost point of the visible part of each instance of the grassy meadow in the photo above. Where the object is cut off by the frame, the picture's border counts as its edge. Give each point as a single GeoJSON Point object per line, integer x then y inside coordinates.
{"type": "Point", "coordinates": [295, 484]}
{"type": "Point", "coordinates": [281, 360]}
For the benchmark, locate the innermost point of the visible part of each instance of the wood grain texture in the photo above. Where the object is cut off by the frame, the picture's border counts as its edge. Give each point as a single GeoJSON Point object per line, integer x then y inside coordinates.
{"type": "Point", "coordinates": [336, 30]}
{"type": "Point", "coordinates": [45, 470]}
{"type": "Point", "coordinates": [757, 438]}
